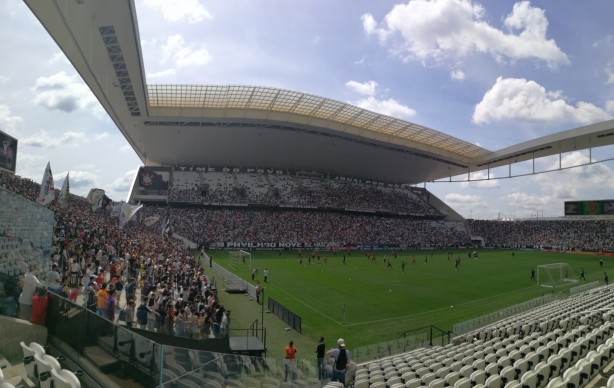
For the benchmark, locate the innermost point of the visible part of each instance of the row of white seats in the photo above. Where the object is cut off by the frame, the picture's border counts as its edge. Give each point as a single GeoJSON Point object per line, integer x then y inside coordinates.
{"type": "Point", "coordinates": [46, 369]}
{"type": "Point", "coordinates": [585, 308]}
{"type": "Point", "coordinates": [546, 357]}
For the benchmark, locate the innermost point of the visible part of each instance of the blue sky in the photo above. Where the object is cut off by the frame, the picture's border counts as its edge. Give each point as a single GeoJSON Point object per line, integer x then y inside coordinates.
{"type": "Point", "coordinates": [494, 73]}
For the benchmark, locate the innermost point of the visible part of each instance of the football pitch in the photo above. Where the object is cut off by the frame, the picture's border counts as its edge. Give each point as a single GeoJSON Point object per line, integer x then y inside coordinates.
{"type": "Point", "coordinates": [365, 302]}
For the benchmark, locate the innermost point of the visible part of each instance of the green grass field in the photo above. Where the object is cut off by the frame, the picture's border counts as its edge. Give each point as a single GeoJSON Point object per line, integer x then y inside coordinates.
{"type": "Point", "coordinates": [366, 303]}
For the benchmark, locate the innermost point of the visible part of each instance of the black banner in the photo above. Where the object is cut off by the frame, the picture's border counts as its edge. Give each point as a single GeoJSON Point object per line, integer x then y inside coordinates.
{"type": "Point", "coordinates": [154, 178]}
{"type": "Point", "coordinates": [8, 152]}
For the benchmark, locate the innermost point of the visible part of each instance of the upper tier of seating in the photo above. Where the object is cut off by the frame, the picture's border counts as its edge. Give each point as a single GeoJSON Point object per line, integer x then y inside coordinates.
{"type": "Point", "coordinates": [297, 191]}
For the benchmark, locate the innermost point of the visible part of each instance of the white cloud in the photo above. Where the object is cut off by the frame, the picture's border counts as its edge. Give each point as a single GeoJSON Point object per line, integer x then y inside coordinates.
{"type": "Point", "coordinates": [529, 201]}
{"type": "Point", "coordinates": [457, 75]}
{"type": "Point", "coordinates": [389, 107]}
{"type": "Point", "coordinates": [126, 148]}
{"type": "Point", "coordinates": [46, 141]}
{"type": "Point", "coordinates": [439, 29]}
{"type": "Point", "coordinates": [521, 99]}
{"type": "Point", "coordinates": [101, 136]}
{"type": "Point", "coordinates": [585, 182]}
{"type": "Point", "coordinates": [162, 73]}
{"type": "Point", "coordinates": [3, 79]}
{"type": "Point", "coordinates": [460, 198]}
{"type": "Point", "coordinates": [609, 70]}
{"type": "Point", "coordinates": [609, 106]}
{"type": "Point", "coordinates": [56, 58]}
{"type": "Point", "coordinates": [480, 180]}
{"type": "Point", "coordinates": [123, 184]}
{"type": "Point", "coordinates": [63, 92]}
{"type": "Point", "coordinates": [180, 10]}
{"type": "Point", "coordinates": [369, 24]}
{"type": "Point", "coordinates": [80, 181]}
{"type": "Point", "coordinates": [366, 88]}
{"type": "Point", "coordinates": [183, 55]}
{"type": "Point", "coordinates": [7, 119]}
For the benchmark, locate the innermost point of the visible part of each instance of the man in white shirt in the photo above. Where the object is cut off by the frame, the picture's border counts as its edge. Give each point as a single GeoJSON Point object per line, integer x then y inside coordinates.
{"type": "Point", "coordinates": [28, 284]}
{"type": "Point", "coordinates": [54, 282]}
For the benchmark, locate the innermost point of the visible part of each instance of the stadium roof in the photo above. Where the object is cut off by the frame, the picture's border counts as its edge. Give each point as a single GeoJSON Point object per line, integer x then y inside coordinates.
{"type": "Point", "coordinates": [252, 126]}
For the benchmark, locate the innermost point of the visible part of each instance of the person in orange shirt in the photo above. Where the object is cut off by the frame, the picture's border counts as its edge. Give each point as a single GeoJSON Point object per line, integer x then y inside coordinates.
{"type": "Point", "coordinates": [102, 299]}
{"type": "Point", "coordinates": [291, 360]}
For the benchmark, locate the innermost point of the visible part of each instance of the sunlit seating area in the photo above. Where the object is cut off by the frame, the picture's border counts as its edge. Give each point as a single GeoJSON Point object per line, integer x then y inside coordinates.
{"type": "Point", "coordinates": [567, 343]}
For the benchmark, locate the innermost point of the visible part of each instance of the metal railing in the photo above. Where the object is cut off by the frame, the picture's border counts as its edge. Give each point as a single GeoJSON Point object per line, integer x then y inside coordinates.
{"type": "Point", "coordinates": [476, 323]}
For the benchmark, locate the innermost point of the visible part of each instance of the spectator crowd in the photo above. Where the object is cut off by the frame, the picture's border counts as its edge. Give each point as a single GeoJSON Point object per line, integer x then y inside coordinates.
{"type": "Point", "coordinates": [298, 192]}
{"type": "Point", "coordinates": [565, 234]}
{"type": "Point", "coordinates": [93, 256]}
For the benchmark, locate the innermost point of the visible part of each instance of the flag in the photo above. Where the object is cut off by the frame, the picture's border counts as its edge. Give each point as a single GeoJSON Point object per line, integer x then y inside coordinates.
{"type": "Point", "coordinates": [47, 193]}
{"type": "Point", "coordinates": [116, 209]}
{"type": "Point", "coordinates": [105, 201]}
{"type": "Point", "coordinates": [97, 199]}
{"type": "Point", "coordinates": [165, 225]}
{"type": "Point", "coordinates": [63, 198]}
{"type": "Point", "coordinates": [127, 212]}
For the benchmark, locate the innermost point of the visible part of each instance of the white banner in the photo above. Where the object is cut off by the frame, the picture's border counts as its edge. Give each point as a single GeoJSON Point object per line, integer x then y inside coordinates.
{"type": "Point", "coordinates": [47, 193]}
{"type": "Point", "coordinates": [127, 212]}
{"type": "Point", "coordinates": [95, 197]}
{"type": "Point", "coordinates": [63, 198]}
{"type": "Point", "coordinates": [116, 210]}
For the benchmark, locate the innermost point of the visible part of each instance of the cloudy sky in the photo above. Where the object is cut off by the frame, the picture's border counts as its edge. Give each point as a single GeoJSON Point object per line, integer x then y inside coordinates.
{"type": "Point", "coordinates": [494, 73]}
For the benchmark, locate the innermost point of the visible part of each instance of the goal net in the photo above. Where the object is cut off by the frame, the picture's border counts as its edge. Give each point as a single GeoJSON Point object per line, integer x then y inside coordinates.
{"type": "Point", "coordinates": [555, 275]}
{"type": "Point", "coordinates": [238, 258]}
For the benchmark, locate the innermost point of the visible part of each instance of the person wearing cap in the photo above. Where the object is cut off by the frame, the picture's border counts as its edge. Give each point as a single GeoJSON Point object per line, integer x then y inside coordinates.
{"type": "Point", "coordinates": [291, 360]}
{"type": "Point", "coordinates": [342, 359]}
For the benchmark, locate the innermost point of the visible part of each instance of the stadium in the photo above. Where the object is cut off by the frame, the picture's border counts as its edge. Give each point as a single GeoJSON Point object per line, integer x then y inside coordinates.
{"type": "Point", "coordinates": [252, 199]}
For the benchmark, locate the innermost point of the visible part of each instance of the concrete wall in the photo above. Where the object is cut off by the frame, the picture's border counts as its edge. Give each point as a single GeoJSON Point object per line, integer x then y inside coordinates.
{"type": "Point", "coordinates": [13, 331]}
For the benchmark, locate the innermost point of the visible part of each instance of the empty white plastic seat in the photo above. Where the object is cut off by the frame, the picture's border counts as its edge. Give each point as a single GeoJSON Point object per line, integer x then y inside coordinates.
{"type": "Point", "coordinates": [493, 381]}
{"type": "Point", "coordinates": [530, 379]}
{"type": "Point", "coordinates": [414, 383]}
{"type": "Point", "coordinates": [409, 375]}
{"type": "Point", "coordinates": [437, 383]}
{"type": "Point", "coordinates": [572, 377]}
{"type": "Point", "coordinates": [463, 382]}
{"type": "Point", "coordinates": [492, 369]}
{"type": "Point", "coordinates": [45, 364]}
{"type": "Point", "coordinates": [555, 363]}
{"type": "Point", "coordinates": [443, 371]}
{"type": "Point", "coordinates": [29, 361]}
{"type": "Point", "coordinates": [478, 377]}
{"type": "Point", "coordinates": [361, 383]}
{"type": "Point", "coordinates": [507, 374]}
{"type": "Point", "coordinates": [452, 378]}
{"type": "Point", "coordinates": [427, 378]}
{"type": "Point", "coordinates": [65, 379]}
{"type": "Point", "coordinates": [466, 370]}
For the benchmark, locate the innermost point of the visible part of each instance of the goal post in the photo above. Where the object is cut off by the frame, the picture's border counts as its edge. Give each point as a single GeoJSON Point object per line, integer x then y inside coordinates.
{"type": "Point", "coordinates": [555, 275]}
{"type": "Point", "coordinates": [241, 257]}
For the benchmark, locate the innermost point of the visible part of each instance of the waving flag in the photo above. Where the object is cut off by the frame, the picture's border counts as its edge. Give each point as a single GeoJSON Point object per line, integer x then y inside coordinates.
{"type": "Point", "coordinates": [98, 199]}
{"type": "Point", "coordinates": [63, 198]}
{"type": "Point", "coordinates": [116, 209]}
{"type": "Point", "coordinates": [47, 193]}
{"type": "Point", "coordinates": [127, 212]}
